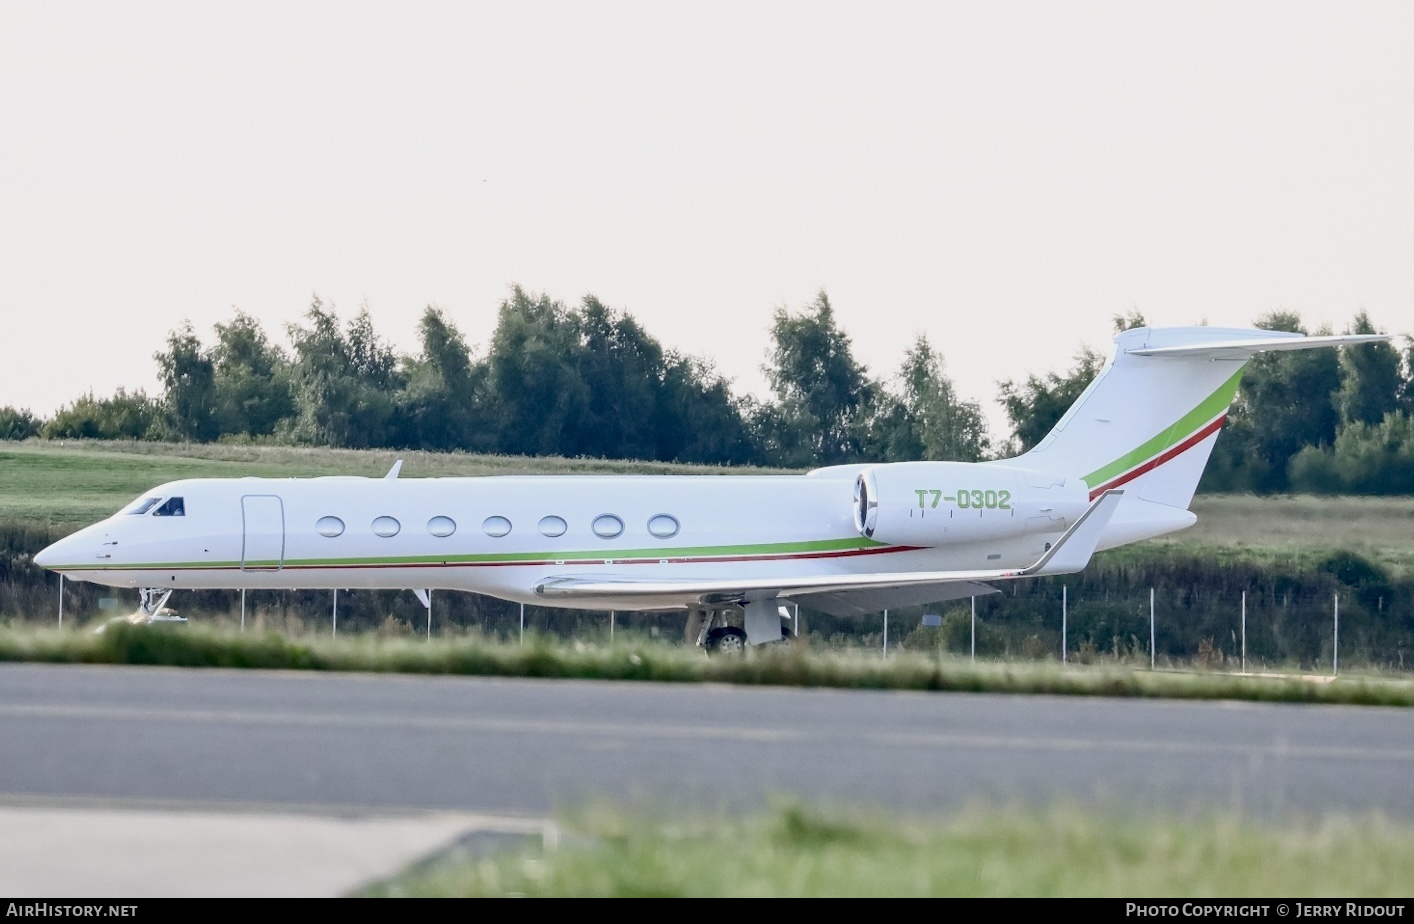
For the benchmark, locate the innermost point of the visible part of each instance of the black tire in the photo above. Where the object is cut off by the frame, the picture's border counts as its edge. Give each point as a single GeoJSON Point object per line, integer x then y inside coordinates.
{"type": "Point", "coordinates": [728, 640]}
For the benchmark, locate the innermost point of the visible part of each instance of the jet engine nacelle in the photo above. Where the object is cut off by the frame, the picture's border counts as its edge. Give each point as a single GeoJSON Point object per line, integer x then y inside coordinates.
{"type": "Point", "coordinates": [940, 503]}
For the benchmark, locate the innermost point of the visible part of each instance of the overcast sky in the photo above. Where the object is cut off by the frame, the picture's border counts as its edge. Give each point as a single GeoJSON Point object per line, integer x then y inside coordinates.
{"type": "Point", "coordinates": [1004, 177]}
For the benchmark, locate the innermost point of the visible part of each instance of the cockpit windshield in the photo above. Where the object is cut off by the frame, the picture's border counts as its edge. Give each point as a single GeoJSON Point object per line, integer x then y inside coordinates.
{"type": "Point", "coordinates": [174, 507]}
{"type": "Point", "coordinates": [140, 506]}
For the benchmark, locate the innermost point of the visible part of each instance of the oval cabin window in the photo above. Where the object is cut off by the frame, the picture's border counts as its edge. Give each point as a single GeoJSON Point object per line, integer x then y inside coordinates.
{"type": "Point", "coordinates": [608, 526]}
{"type": "Point", "coordinates": [329, 526]}
{"type": "Point", "coordinates": [553, 526]}
{"type": "Point", "coordinates": [386, 527]}
{"type": "Point", "coordinates": [663, 526]}
{"type": "Point", "coordinates": [441, 526]}
{"type": "Point", "coordinates": [496, 527]}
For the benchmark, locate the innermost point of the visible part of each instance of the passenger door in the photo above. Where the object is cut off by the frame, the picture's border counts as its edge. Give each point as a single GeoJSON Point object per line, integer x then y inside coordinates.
{"type": "Point", "coordinates": [263, 533]}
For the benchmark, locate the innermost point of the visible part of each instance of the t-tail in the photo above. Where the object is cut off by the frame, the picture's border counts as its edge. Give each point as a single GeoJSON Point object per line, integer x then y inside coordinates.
{"type": "Point", "coordinates": [1148, 421]}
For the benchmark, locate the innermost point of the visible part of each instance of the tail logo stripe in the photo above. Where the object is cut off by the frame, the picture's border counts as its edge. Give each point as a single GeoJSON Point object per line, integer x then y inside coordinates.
{"type": "Point", "coordinates": [1154, 463]}
{"type": "Point", "coordinates": [1206, 418]}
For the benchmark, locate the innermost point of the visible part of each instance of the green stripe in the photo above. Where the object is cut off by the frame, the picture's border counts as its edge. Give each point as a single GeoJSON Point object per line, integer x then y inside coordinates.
{"type": "Point", "coordinates": [704, 551]}
{"type": "Point", "coordinates": [1186, 426]}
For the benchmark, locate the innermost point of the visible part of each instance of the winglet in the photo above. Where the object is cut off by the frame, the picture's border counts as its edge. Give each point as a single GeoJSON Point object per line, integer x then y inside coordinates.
{"type": "Point", "coordinates": [1074, 548]}
{"type": "Point", "coordinates": [393, 472]}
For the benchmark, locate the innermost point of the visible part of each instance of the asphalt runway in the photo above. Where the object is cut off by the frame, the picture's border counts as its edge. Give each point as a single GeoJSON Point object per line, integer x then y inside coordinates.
{"type": "Point", "coordinates": [359, 747]}
{"type": "Point", "coordinates": [529, 747]}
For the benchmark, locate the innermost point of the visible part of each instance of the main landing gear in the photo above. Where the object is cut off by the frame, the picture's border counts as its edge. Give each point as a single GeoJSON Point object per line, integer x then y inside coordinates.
{"type": "Point", "coordinates": [721, 630]}
{"type": "Point", "coordinates": [725, 640]}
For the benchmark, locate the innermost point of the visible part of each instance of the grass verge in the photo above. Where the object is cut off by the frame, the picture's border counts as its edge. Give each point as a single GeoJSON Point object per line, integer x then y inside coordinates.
{"type": "Point", "coordinates": [195, 646]}
{"type": "Point", "coordinates": [75, 482]}
{"type": "Point", "coordinates": [1065, 851]}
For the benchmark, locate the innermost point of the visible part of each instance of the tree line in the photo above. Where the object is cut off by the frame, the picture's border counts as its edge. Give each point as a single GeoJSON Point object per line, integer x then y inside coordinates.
{"type": "Point", "coordinates": [588, 380]}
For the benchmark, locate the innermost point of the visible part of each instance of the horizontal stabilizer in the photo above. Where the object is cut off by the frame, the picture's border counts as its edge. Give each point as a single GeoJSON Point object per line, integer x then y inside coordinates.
{"type": "Point", "coordinates": [1243, 348]}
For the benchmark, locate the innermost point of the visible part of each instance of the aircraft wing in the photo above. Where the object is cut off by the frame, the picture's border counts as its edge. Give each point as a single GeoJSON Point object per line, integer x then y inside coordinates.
{"type": "Point", "coordinates": [1070, 553]}
{"type": "Point", "coordinates": [868, 600]}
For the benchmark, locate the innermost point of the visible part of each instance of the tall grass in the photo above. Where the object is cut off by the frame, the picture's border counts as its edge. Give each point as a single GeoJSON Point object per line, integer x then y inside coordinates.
{"type": "Point", "coordinates": [193, 646]}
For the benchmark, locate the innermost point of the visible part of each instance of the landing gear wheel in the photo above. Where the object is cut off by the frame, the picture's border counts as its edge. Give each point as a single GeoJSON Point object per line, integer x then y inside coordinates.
{"type": "Point", "coordinates": [726, 640]}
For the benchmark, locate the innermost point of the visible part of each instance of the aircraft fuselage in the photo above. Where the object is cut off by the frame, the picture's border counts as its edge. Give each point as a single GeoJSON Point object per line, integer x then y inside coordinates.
{"type": "Point", "coordinates": [501, 535]}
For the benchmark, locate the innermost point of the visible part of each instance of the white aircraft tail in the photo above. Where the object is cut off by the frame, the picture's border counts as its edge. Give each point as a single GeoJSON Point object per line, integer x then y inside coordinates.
{"type": "Point", "coordinates": [1149, 420]}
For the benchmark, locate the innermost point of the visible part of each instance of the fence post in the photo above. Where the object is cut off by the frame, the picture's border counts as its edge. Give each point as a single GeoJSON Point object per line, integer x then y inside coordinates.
{"type": "Point", "coordinates": [974, 628]}
{"type": "Point", "coordinates": [336, 614]}
{"type": "Point", "coordinates": [61, 600]}
{"type": "Point", "coordinates": [522, 625]}
{"type": "Point", "coordinates": [1335, 645]}
{"type": "Point", "coordinates": [1244, 632]}
{"type": "Point", "coordinates": [1151, 628]}
{"type": "Point", "coordinates": [886, 633]}
{"type": "Point", "coordinates": [1063, 621]}
{"type": "Point", "coordinates": [242, 609]}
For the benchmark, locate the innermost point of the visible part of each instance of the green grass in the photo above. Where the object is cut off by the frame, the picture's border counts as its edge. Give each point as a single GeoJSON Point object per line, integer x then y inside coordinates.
{"type": "Point", "coordinates": [1065, 851]}
{"type": "Point", "coordinates": [473, 655]}
{"type": "Point", "coordinates": [77, 482]}
{"type": "Point", "coordinates": [1378, 528]}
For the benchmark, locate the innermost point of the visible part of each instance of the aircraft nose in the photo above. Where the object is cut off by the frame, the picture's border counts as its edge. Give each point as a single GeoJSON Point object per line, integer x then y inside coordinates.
{"type": "Point", "coordinates": [58, 554]}
{"type": "Point", "coordinates": [48, 557]}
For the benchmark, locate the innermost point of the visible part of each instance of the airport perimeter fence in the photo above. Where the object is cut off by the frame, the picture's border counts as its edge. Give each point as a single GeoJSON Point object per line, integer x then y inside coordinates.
{"type": "Point", "coordinates": [1254, 631]}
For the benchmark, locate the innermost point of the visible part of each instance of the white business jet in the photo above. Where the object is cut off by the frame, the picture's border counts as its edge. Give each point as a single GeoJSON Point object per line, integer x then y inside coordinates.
{"type": "Point", "coordinates": [1120, 466]}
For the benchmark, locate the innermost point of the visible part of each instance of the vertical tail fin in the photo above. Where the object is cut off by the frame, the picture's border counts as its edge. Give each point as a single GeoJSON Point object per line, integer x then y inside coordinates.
{"type": "Point", "coordinates": [1150, 418]}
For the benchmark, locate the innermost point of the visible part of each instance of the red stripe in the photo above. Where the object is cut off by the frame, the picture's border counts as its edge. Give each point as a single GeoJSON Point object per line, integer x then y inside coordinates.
{"type": "Point", "coordinates": [1163, 457]}
{"type": "Point", "coordinates": [598, 562]}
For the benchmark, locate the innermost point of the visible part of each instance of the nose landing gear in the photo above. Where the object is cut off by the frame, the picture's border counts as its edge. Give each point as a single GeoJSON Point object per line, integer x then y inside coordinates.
{"type": "Point", "coordinates": [149, 609]}
{"type": "Point", "coordinates": [154, 601]}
